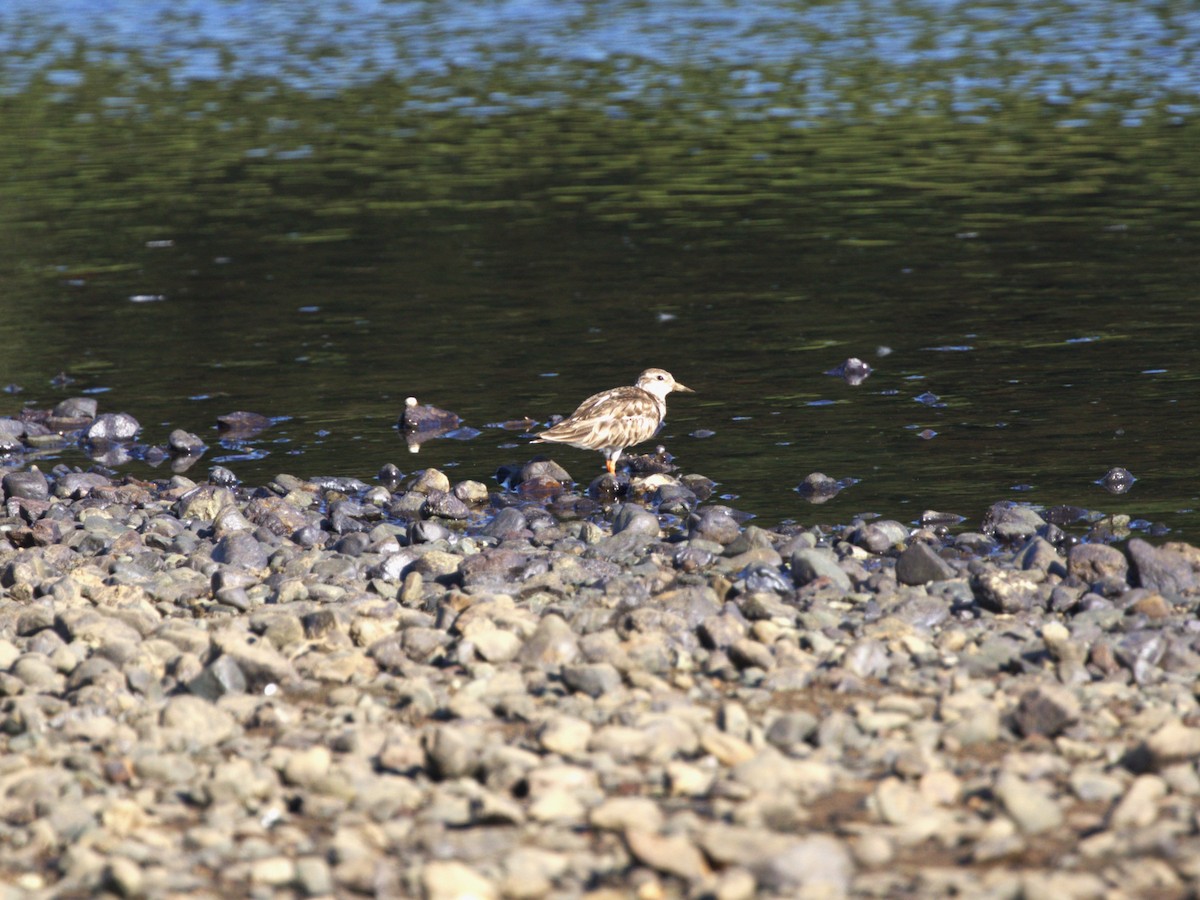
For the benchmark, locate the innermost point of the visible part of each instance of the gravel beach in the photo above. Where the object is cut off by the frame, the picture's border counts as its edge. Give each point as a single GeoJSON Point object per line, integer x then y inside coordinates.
{"type": "Point", "coordinates": [413, 688]}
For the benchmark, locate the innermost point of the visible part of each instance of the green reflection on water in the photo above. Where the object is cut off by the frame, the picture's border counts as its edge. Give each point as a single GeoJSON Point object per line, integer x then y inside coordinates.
{"type": "Point", "coordinates": [458, 257]}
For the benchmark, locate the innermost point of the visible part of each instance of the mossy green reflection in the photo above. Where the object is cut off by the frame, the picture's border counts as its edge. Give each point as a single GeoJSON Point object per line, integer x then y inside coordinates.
{"type": "Point", "coordinates": [458, 256]}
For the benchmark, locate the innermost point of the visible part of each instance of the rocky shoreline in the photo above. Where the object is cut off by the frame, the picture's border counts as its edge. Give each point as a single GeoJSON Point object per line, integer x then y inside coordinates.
{"type": "Point", "coordinates": [414, 688]}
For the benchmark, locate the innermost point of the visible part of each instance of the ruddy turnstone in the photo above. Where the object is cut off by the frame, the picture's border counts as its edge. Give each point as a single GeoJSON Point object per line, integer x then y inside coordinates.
{"type": "Point", "coordinates": [618, 418]}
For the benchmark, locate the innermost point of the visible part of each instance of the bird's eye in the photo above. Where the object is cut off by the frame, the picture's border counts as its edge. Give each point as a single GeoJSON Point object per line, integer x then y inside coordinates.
{"type": "Point", "coordinates": [661, 378]}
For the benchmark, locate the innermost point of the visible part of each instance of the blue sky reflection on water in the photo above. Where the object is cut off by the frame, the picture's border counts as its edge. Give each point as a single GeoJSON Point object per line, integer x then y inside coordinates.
{"type": "Point", "coordinates": [1054, 52]}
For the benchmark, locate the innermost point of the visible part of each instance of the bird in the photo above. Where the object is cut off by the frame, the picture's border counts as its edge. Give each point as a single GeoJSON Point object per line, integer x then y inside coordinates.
{"type": "Point", "coordinates": [616, 419]}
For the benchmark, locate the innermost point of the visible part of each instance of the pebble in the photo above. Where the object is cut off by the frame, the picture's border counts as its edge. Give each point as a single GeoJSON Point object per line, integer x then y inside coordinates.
{"type": "Point", "coordinates": [452, 880]}
{"type": "Point", "coordinates": [541, 697]}
{"type": "Point", "coordinates": [111, 428]}
{"type": "Point", "coordinates": [1138, 808]}
{"type": "Point", "coordinates": [919, 564]}
{"type": "Point", "coordinates": [1162, 569]}
{"type": "Point", "coordinates": [809, 564]}
{"type": "Point", "coordinates": [1046, 710]}
{"type": "Point", "coordinates": [1033, 809]}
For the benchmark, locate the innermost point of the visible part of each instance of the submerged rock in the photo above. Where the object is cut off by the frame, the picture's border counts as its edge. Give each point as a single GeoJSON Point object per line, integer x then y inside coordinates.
{"type": "Point", "coordinates": [424, 417]}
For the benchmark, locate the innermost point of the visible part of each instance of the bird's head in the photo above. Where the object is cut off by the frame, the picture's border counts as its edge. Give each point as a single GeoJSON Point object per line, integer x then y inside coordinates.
{"type": "Point", "coordinates": [660, 382]}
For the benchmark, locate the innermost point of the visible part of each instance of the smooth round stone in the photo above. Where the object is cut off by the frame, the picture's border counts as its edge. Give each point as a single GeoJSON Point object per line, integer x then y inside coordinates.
{"type": "Point", "coordinates": [28, 485]}
{"type": "Point", "coordinates": [112, 427]}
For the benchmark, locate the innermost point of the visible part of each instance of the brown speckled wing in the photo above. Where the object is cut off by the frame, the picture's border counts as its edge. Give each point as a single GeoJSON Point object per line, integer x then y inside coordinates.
{"type": "Point", "coordinates": [617, 418]}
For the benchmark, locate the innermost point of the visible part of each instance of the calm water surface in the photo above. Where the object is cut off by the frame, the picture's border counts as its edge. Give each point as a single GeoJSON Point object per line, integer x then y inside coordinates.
{"type": "Point", "coordinates": [314, 210]}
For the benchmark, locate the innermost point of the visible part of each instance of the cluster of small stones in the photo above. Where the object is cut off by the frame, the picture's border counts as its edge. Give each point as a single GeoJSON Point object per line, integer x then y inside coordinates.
{"type": "Point", "coordinates": [418, 689]}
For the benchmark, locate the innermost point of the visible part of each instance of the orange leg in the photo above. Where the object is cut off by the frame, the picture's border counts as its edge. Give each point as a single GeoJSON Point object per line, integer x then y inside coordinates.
{"type": "Point", "coordinates": [611, 465]}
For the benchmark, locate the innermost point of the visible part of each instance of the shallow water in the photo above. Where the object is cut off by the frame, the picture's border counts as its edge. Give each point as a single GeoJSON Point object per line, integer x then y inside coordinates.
{"type": "Point", "coordinates": [501, 208]}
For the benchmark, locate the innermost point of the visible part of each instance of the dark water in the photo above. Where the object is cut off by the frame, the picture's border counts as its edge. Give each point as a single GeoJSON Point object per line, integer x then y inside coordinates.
{"type": "Point", "coordinates": [314, 210]}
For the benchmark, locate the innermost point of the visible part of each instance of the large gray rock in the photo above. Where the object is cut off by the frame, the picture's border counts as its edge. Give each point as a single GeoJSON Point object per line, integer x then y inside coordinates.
{"type": "Point", "coordinates": [1162, 568]}
{"type": "Point", "coordinates": [919, 564]}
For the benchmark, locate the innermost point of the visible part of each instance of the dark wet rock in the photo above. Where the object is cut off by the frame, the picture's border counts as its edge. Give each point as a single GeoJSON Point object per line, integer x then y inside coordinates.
{"type": "Point", "coordinates": [540, 488]}
{"type": "Point", "coordinates": [1117, 480]}
{"type": "Point", "coordinates": [1065, 515]}
{"type": "Point", "coordinates": [546, 471]}
{"type": "Point", "coordinates": [699, 485]}
{"type": "Point", "coordinates": [931, 518]}
{"type": "Point", "coordinates": [112, 428]}
{"type": "Point", "coordinates": [424, 417]}
{"type": "Point", "coordinates": [155, 455]}
{"type": "Point", "coordinates": [309, 535]}
{"type": "Point", "coordinates": [1009, 521]}
{"type": "Point", "coordinates": [818, 487]}
{"type": "Point", "coordinates": [241, 549]}
{"type": "Point", "coordinates": [1095, 562]}
{"type": "Point", "coordinates": [223, 477]}
{"type": "Point", "coordinates": [508, 524]}
{"type": "Point", "coordinates": [346, 516]}
{"type": "Point", "coordinates": [631, 518]}
{"type": "Point", "coordinates": [342, 484]}
{"type": "Point", "coordinates": [714, 523]}
{"type": "Point", "coordinates": [852, 370]}
{"type": "Point", "coordinates": [607, 489]}
{"type": "Point", "coordinates": [879, 536]}
{"type": "Point", "coordinates": [241, 424]}
{"type": "Point", "coordinates": [390, 476]}
{"type": "Point", "coordinates": [353, 545]}
{"type": "Point", "coordinates": [76, 408]}
{"type": "Point", "coordinates": [660, 462]}
{"type": "Point", "coordinates": [445, 506]}
{"type": "Point", "coordinates": [919, 564]}
{"type": "Point", "coordinates": [976, 542]}
{"type": "Point", "coordinates": [522, 424]}
{"type": "Point", "coordinates": [186, 443]}
{"type": "Point", "coordinates": [28, 485]}
{"type": "Point", "coordinates": [674, 499]}
{"type": "Point", "coordinates": [1164, 569]}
